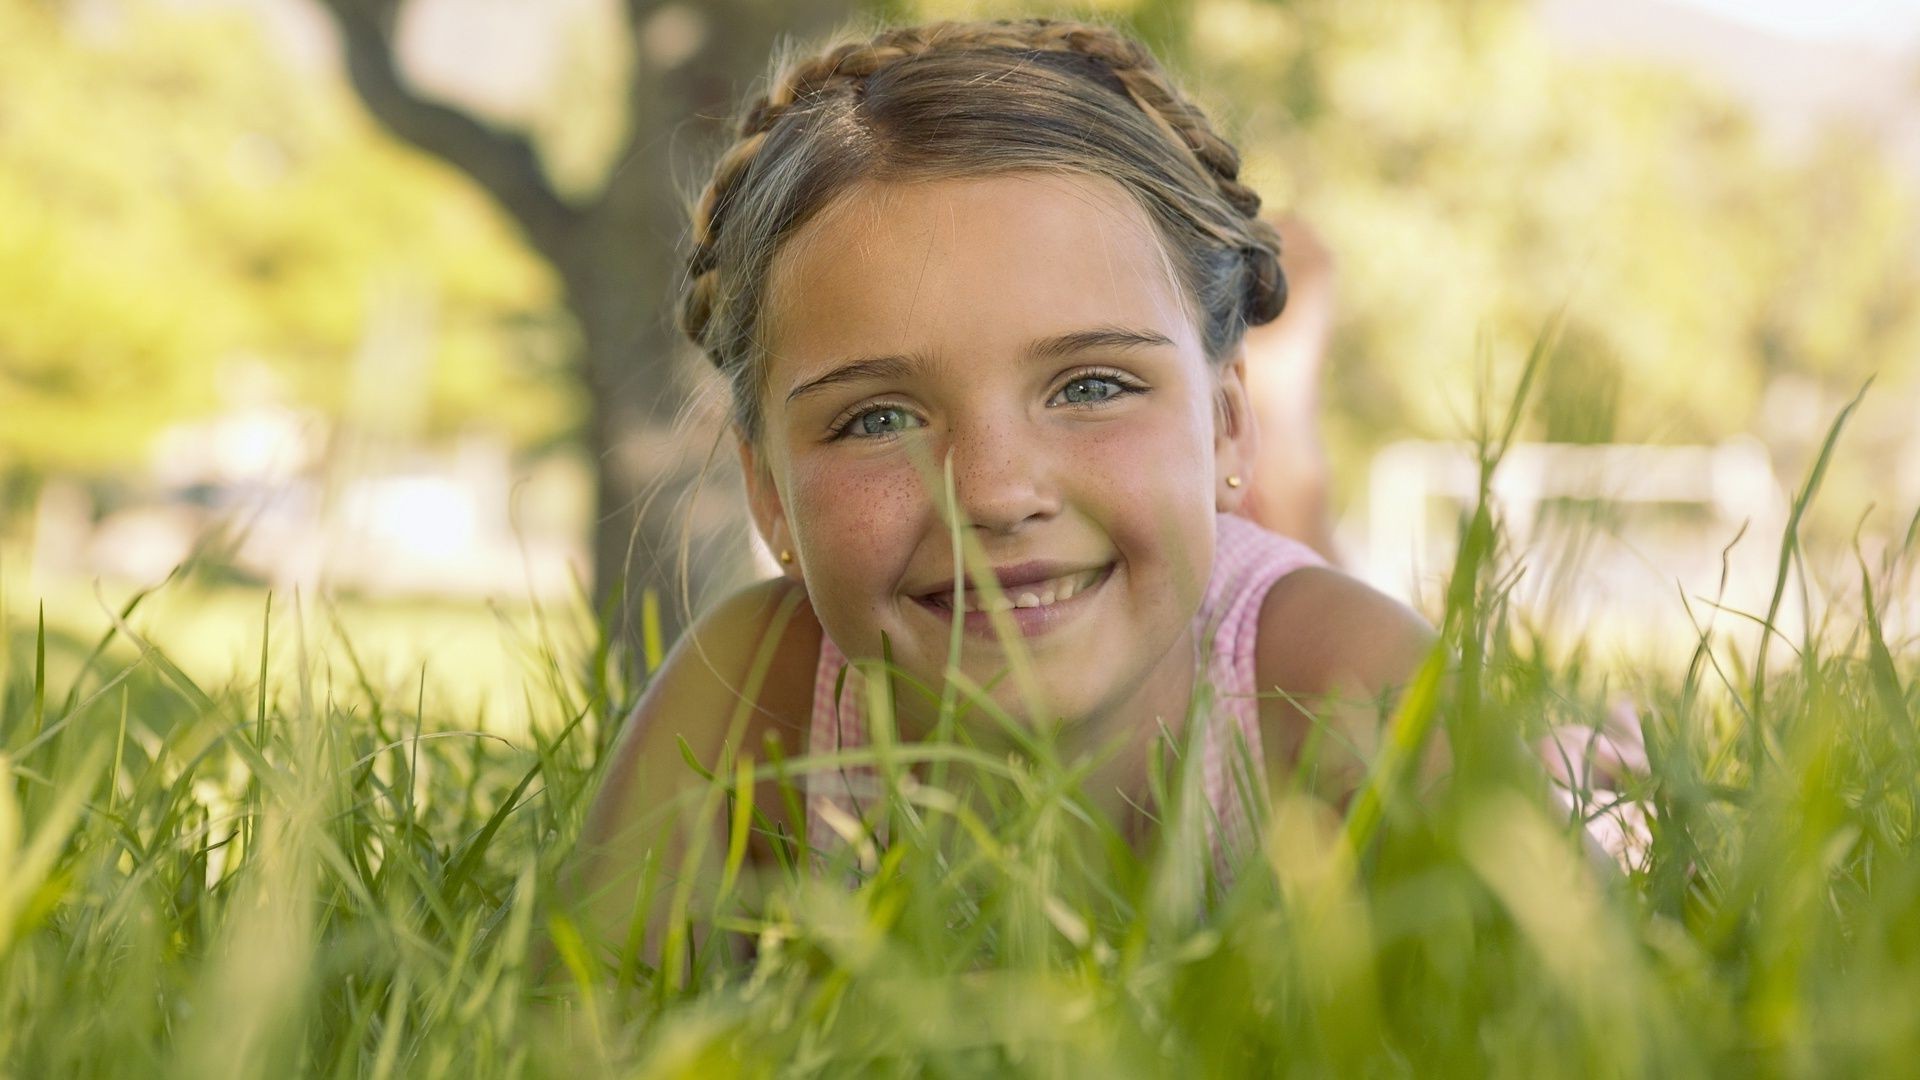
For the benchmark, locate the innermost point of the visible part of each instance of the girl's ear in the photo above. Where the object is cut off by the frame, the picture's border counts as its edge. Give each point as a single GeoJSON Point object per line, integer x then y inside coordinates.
{"type": "Point", "coordinates": [1236, 441]}
{"type": "Point", "coordinates": [769, 514]}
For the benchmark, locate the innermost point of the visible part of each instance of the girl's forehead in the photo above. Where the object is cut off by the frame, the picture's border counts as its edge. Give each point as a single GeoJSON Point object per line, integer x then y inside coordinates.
{"type": "Point", "coordinates": [978, 263]}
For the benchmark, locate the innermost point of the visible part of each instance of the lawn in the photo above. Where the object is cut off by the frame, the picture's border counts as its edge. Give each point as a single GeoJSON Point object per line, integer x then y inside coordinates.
{"type": "Point", "coordinates": [293, 855]}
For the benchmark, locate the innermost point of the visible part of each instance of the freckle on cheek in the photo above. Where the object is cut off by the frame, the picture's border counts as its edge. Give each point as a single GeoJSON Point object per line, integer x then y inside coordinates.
{"type": "Point", "coordinates": [855, 514]}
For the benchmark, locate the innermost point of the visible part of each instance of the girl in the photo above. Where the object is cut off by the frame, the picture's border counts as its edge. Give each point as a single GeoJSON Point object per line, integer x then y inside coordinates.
{"type": "Point", "coordinates": [991, 281]}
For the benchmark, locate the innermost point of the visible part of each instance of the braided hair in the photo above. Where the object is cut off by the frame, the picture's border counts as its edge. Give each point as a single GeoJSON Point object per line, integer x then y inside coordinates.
{"type": "Point", "coordinates": [947, 99]}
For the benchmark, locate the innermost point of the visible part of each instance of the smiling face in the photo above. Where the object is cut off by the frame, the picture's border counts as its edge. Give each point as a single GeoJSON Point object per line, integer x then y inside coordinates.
{"type": "Point", "coordinates": [1027, 327]}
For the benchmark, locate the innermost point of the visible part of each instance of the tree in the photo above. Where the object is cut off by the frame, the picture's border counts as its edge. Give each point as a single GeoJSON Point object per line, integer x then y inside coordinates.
{"type": "Point", "coordinates": [613, 249]}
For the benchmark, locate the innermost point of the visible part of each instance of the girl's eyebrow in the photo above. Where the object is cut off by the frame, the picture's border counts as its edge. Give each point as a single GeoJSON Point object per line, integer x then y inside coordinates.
{"type": "Point", "coordinates": [1103, 337]}
{"type": "Point", "coordinates": [873, 367]}
{"type": "Point", "coordinates": [1047, 348]}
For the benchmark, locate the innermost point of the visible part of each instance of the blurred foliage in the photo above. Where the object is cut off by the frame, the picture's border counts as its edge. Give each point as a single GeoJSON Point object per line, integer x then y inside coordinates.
{"type": "Point", "coordinates": [178, 197]}
{"type": "Point", "coordinates": [1473, 181]}
{"type": "Point", "coordinates": [305, 870]}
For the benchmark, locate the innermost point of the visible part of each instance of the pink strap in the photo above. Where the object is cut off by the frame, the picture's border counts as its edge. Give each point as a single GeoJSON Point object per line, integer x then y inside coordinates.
{"type": "Point", "coordinates": [1247, 561]}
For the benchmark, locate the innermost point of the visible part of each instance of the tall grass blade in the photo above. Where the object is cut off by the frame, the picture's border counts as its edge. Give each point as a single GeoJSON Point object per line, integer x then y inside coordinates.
{"type": "Point", "coordinates": [1789, 550]}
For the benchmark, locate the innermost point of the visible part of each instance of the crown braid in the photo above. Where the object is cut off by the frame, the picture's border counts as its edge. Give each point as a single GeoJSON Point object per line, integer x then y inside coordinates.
{"type": "Point", "coordinates": [1120, 64]}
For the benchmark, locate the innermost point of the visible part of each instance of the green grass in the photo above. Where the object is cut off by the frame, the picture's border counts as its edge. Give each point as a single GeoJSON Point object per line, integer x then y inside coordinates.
{"type": "Point", "coordinates": [473, 653]}
{"type": "Point", "coordinates": [299, 871]}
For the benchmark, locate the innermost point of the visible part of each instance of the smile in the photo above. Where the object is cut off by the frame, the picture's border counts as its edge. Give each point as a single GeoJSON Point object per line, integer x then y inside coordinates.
{"type": "Point", "coordinates": [1035, 605]}
{"type": "Point", "coordinates": [1031, 595]}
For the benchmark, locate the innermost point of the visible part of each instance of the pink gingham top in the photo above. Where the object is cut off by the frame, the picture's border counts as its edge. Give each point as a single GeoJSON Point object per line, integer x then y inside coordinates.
{"type": "Point", "coordinates": [1247, 561]}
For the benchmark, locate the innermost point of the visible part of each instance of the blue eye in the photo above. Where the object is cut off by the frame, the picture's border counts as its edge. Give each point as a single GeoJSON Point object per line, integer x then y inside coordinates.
{"type": "Point", "coordinates": [881, 421]}
{"type": "Point", "coordinates": [1091, 390]}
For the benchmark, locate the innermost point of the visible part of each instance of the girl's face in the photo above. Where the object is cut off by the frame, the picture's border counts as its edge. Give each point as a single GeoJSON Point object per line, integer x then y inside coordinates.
{"type": "Point", "coordinates": [1026, 327]}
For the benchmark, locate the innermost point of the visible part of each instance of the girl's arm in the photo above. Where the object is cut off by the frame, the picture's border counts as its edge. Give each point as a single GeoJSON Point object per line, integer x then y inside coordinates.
{"type": "Point", "coordinates": [744, 671]}
{"type": "Point", "coordinates": [1339, 651]}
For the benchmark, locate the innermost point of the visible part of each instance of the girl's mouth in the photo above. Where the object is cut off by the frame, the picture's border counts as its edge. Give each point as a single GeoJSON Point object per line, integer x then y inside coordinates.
{"type": "Point", "coordinates": [1034, 607]}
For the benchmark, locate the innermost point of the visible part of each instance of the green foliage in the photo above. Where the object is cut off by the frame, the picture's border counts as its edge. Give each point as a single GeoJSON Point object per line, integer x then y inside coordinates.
{"type": "Point", "coordinates": [267, 869]}
{"type": "Point", "coordinates": [1478, 180]}
{"type": "Point", "coordinates": [177, 199]}
{"type": "Point", "coordinates": [177, 195]}
{"type": "Point", "coordinates": [296, 873]}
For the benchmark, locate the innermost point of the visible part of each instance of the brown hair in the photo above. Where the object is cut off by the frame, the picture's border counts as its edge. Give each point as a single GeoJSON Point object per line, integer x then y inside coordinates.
{"type": "Point", "coordinates": [947, 99]}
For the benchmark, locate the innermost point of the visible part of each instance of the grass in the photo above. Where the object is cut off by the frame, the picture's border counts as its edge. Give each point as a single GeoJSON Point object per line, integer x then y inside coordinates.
{"type": "Point", "coordinates": [297, 871]}
{"type": "Point", "coordinates": [473, 654]}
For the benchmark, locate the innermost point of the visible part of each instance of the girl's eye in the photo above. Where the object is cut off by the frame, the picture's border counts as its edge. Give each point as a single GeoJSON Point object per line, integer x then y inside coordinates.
{"type": "Point", "coordinates": [879, 422]}
{"type": "Point", "coordinates": [1091, 390]}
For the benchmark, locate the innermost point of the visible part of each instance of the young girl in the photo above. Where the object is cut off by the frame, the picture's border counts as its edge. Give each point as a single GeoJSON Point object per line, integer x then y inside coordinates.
{"type": "Point", "coordinates": [1004, 268]}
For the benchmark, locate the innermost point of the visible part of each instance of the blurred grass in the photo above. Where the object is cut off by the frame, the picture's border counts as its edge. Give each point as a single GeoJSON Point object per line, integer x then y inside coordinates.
{"type": "Point", "coordinates": [282, 867]}
{"type": "Point", "coordinates": [474, 656]}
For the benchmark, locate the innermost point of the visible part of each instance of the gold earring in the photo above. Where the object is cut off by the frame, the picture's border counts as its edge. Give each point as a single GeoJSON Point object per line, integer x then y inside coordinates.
{"type": "Point", "coordinates": [1233, 481]}
{"type": "Point", "coordinates": [786, 557]}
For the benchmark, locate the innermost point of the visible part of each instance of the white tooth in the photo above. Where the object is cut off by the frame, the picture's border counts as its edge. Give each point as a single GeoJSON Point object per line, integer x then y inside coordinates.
{"type": "Point", "coordinates": [1026, 599]}
{"type": "Point", "coordinates": [1065, 590]}
{"type": "Point", "coordinates": [1003, 603]}
{"type": "Point", "coordinates": [1047, 598]}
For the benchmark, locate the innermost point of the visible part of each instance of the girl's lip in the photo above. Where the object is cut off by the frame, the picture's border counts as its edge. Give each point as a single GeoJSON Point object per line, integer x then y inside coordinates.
{"type": "Point", "coordinates": [1012, 577]}
{"type": "Point", "coordinates": [1030, 621]}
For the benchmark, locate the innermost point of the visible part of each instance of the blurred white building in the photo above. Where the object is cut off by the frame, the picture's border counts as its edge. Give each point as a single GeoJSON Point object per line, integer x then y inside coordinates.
{"type": "Point", "coordinates": [255, 491]}
{"type": "Point", "coordinates": [1632, 547]}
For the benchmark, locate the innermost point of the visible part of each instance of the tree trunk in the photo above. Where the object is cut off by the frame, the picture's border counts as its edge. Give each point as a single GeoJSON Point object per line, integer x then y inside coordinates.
{"type": "Point", "coordinates": [619, 258]}
{"type": "Point", "coordinates": [648, 459]}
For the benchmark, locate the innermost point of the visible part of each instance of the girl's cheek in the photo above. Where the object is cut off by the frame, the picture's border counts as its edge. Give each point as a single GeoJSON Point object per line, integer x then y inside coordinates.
{"type": "Point", "coordinates": [1150, 461]}
{"type": "Point", "coordinates": [1121, 455]}
{"type": "Point", "coordinates": [851, 510]}
{"type": "Point", "coordinates": [1153, 490]}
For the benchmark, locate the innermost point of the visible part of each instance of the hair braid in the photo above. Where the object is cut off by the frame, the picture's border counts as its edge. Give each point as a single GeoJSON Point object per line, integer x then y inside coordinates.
{"type": "Point", "coordinates": [1150, 89]}
{"type": "Point", "coordinates": [842, 132]}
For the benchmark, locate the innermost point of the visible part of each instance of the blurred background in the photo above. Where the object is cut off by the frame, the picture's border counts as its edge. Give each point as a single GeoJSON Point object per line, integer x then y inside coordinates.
{"type": "Point", "coordinates": [369, 302]}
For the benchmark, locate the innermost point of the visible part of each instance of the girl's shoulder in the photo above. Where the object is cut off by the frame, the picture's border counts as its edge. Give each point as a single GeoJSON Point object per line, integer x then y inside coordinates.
{"type": "Point", "coordinates": [1316, 627]}
{"type": "Point", "coordinates": [742, 672]}
{"type": "Point", "coordinates": [1332, 653]}
{"type": "Point", "coordinates": [749, 660]}
{"type": "Point", "coordinates": [1323, 630]}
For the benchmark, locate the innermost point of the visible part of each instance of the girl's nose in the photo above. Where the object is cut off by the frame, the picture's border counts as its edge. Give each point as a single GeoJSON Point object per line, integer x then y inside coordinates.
{"type": "Point", "coordinates": [1001, 478]}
